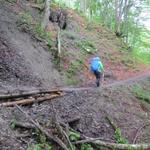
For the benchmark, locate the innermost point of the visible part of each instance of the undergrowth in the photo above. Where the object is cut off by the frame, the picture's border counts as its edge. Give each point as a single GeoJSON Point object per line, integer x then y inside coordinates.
{"type": "Point", "coordinates": [86, 46]}
{"type": "Point", "coordinates": [119, 138]}
{"type": "Point", "coordinates": [143, 57]}
{"type": "Point", "coordinates": [27, 23]}
{"type": "Point", "coordinates": [141, 93]}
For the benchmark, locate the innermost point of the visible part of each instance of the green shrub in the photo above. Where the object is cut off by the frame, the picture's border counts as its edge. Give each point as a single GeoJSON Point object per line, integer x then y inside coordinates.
{"type": "Point", "coordinates": [140, 93]}
{"type": "Point", "coordinates": [26, 20]}
{"type": "Point", "coordinates": [40, 147]}
{"type": "Point", "coordinates": [119, 138]}
{"type": "Point", "coordinates": [86, 46]}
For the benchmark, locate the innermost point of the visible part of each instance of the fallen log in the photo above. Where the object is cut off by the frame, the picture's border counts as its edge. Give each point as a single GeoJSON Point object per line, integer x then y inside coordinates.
{"type": "Point", "coordinates": [114, 145]}
{"type": "Point", "coordinates": [50, 136]}
{"type": "Point", "coordinates": [24, 125]}
{"type": "Point", "coordinates": [31, 100]}
{"type": "Point", "coordinates": [28, 93]}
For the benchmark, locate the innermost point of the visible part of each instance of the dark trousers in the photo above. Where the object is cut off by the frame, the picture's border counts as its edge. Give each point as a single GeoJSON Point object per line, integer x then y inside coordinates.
{"type": "Point", "coordinates": [98, 77]}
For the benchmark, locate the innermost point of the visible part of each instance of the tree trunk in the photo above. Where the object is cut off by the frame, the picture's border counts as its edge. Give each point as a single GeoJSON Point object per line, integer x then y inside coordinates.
{"type": "Point", "coordinates": [46, 14]}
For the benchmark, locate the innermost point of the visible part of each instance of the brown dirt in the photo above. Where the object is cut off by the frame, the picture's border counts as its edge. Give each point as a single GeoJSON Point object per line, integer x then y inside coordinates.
{"type": "Point", "coordinates": [92, 106]}
{"type": "Point", "coordinates": [24, 62]}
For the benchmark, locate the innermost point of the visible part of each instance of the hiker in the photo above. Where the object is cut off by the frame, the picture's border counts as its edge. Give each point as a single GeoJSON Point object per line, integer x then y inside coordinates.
{"type": "Point", "coordinates": [97, 68]}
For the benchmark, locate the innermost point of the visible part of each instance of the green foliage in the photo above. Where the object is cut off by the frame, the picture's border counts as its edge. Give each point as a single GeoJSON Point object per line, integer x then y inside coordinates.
{"type": "Point", "coordinates": [11, 1]}
{"type": "Point", "coordinates": [86, 46]}
{"type": "Point", "coordinates": [25, 18]}
{"type": "Point", "coordinates": [42, 34]}
{"type": "Point", "coordinates": [141, 94]}
{"type": "Point", "coordinates": [39, 1]}
{"type": "Point", "coordinates": [73, 68]}
{"type": "Point", "coordinates": [61, 3]}
{"type": "Point", "coordinates": [69, 34]}
{"type": "Point", "coordinates": [86, 147]}
{"type": "Point", "coordinates": [129, 25]}
{"type": "Point", "coordinates": [74, 136]}
{"type": "Point", "coordinates": [119, 138]}
{"type": "Point", "coordinates": [42, 143]}
{"type": "Point", "coordinates": [40, 147]}
{"type": "Point", "coordinates": [26, 21]}
{"type": "Point", "coordinates": [13, 123]}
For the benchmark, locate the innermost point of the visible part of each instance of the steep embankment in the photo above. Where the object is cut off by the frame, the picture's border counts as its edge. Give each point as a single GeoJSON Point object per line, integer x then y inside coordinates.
{"type": "Point", "coordinates": [24, 62]}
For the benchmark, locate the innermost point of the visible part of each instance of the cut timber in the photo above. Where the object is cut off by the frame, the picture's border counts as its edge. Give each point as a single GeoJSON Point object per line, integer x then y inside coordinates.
{"type": "Point", "coordinates": [28, 93]}
{"type": "Point", "coordinates": [30, 100]}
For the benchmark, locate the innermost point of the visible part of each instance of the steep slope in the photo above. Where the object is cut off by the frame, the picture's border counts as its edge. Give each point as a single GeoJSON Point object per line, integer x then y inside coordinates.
{"type": "Point", "coordinates": [24, 62]}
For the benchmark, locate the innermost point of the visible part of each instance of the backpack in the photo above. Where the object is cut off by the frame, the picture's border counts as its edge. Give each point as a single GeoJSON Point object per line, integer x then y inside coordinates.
{"type": "Point", "coordinates": [94, 64]}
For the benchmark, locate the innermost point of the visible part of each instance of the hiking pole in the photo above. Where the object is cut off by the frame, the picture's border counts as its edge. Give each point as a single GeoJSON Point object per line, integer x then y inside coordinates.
{"type": "Point", "coordinates": [102, 78]}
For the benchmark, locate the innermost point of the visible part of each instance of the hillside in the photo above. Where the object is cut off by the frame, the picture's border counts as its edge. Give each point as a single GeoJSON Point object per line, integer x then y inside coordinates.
{"type": "Point", "coordinates": [118, 112]}
{"type": "Point", "coordinates": [25, 63]}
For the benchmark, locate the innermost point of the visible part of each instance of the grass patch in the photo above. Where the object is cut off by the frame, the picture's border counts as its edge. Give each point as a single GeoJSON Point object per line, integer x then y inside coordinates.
{"type": "Point", "coordinates": [143, 57]}
{"type": "Point", "coordinates": [72, 71]}
{"type": "Point", "coordinates": [28, 24]}
{"type": "Point", "coordinates": [119, 138]}
{"type": "Point", "coordinates": [69, 34]}
{"type": "Point", "coordinates": [40, 147]}
{"type": "Point", "coordinates": [86, 46]}
{"type": "Point", "coordinates": [141, 93]}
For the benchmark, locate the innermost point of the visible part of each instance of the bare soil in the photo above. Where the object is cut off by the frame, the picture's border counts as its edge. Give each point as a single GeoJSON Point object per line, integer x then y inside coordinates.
{"type": "Point", "coordinates": [92, 106]}
{"type": "Point", "coordinates": [24, 62]}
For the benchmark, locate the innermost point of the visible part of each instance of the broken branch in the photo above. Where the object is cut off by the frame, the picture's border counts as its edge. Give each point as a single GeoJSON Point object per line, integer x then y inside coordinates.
{"type": "Point", "coordinates": [139, 130]}
{"type": "Point", "coordinates": [48, 135]}
{"type": "Point", "coordinates": [114, 145]}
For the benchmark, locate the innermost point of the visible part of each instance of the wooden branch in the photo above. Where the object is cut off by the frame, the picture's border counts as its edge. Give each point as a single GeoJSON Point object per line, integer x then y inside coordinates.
{"type": "Point", "coordinates": [30, 100]}
{"type": "Point", "coordinates": [60, 129]}
{"type": "Point", "coordinates": [139, 130]}
{"type": "Point", "coordinates": [114, 145]}
{"type": "Point", "coordinates": [24, 125]}
{"type": "Point", "coordinates": [111, 123]}
{"type": "Point", "coordinates": [73, 120]}
{"type": "Point", "coordinates": [28, 93]}
{"type": "Point", "coordinates": [48, 135]}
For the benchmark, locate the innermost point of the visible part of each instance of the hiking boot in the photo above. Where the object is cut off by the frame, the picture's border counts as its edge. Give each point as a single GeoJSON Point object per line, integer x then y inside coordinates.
{"type": "Point", "coordinates": [97, 83]}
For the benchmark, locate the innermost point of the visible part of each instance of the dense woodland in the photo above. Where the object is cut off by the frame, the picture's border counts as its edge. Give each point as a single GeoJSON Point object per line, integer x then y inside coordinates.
{"type": "Point", "coordinates": [124, 17]}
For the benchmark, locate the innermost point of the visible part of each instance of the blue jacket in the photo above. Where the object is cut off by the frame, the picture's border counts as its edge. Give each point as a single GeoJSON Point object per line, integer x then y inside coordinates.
{"type": "Point", "coordinates": [96, 64]}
